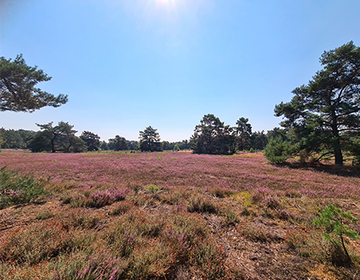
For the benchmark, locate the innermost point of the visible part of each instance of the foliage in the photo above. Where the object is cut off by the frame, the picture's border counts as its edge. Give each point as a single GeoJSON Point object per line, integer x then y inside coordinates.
{"type": "Point", "coordinates": [172, 146]}
{"type": "Point", "coordinates": [92, 140]}
{"type": "Point", "coordinates": [17, 190]}
{"type": "Point", "coordinates": [332, 220]}
{"type": "Point", "coordinates": [15, 139]}
{"type": "Point", "coordinates": [243, 133]}
{"type": "Point", "coordinates": [258, 140]}
{"type": "Point", "coordinates": [211, 136]}
{"type": "Point", "coordinates": [17, 87]}
{"type": "Point", "coordinates": [277, 150]}
{"type": "Point", "coordinates": [327, 106]}
{"type": "Point", "coordinates": [149, 140]}
{"type": "Point", "coordinates": [57, 138]}
{"type": "Point", "coordinates": [152, 188]}
{"type": "Point", "coordinates": [118, 143]}
{"type": "Point", "coordinates": [104, 146]}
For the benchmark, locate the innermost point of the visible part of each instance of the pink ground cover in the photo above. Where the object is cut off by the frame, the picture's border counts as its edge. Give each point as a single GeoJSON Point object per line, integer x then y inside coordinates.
{"type": "Point", "coordinates": [249, 172]}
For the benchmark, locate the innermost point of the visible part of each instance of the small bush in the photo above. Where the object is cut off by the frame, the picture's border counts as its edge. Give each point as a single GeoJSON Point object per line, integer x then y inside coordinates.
{"type": "Point", "coordinates": [257, 196]}
{"type": "Point", "coordinates": [36, 243]}
{"type": "Point", "coordinates": [231, 218]}
{"type": "Point", "coordinates": [283, 214]}
{"type": "Point", "coordinates": [152, 188]}
{"type": "Point", "coordinates": [152, 261]}
{"type": "Point", "coordinates": [257, 234]}
{"type": "Point", "coordinates": [220, 192]}
{"type": "Point", "coordinates": [201, 205]}
{"type": "Point", "coordinates": [272, 202]}
{"type": "Point", "coordinates": [80, 218]}
{"type": "Point", "coordinates": [332, 221]}
{"type": "Point", "coordinates": [17, 190]}
{"type": "Point", "coordinates": [191, 225]}
{"type": "Point", "coordinates": [97, 199]}
{"type": "Point", "coordinates": [277, 150]}
{"type": "Point", "coordinates": [44, 215]}
{"type": "Point", "coordinates": [211, 260]}
{"type": "Point", "coordinates": [122, 207]}
{"type": "Point", "coordinates": [310, 244]}
{"type": "Point", "coordinates": [100, 265]}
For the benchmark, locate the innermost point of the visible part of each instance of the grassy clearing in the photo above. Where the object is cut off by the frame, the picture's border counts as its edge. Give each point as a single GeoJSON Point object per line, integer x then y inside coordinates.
{"type": "Point", "coordinates": [121, 216]}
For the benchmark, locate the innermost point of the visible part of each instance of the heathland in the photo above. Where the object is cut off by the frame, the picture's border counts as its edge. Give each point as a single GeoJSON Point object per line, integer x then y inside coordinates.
{"type": "Point", "coordinates": [172, 215]}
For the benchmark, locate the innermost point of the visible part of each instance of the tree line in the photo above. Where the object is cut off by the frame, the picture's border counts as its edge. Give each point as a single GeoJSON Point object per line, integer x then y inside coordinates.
{"type": "Point", "coordinates": [62, 138]}
{"type": "Point", "coordinates": [209, 137]}
{"type": "Point", "coordinates": [321, 120]}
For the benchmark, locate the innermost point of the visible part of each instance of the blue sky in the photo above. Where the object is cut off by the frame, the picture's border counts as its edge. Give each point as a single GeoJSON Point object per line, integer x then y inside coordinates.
{"type": "Point", "coordinates": [128, 64]}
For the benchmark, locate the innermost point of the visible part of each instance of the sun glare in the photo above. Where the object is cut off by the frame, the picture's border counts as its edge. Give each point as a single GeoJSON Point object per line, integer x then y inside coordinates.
{"type": "Point", "coordinates": [168, 4]}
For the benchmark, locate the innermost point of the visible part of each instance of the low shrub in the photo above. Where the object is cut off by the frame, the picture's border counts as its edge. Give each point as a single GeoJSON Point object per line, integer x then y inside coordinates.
{"type": "Point", "coordinates": [277, 150]}
{"type": "Point", "coordinates": [272, 202]}
{"type": "Point", "coordinates": [174, 198]}
{"type": "Point", "coordinates": [122, 207]}
{"type": "Point", "coordinates": [97, 199]}
{"type": "Point", "coordinates": [257, 234]}
{"type": "Point", "coordinates": [221, 192]}
{"type": "Point", "coordinates": [155, 260]}
{"type": "Point", "coordinates": [211, 261]}
{"type": "Point", "coordinates": [80, 265]}
{"type": "Point", "coordinates": [310, 243]}
{"type": "Point", "coordinates": [152, 188]}
{"type": "Point", "coordinates": [332, 221]}
{"type": "Point", "coordinates": [16, 189]}
{"type": "Point", "coordinates": [230, 216]}
{"type": "Point", "coordinates": [44, 215]}
{"type": "Point", "coordinates": [283, 214]}
{"type": "Point", "coordinates": [36, 243]}
{"type": "Point", "coordinates": [201, 205]}
{"type": "Point", "coordinates": [191, 225]}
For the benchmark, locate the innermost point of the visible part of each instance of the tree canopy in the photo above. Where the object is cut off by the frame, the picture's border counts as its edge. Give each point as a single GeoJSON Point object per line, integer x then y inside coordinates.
{"type": "Point", "coordinates": [17, 87]}
{"type": "Point", "coordinates": [118, 143]}
{"type": "Point", "coordinates": [149, 139]}
{"type": "Point", "coordinates": [243, 131]}
{"type": "Point", "coordinates": [211, 136]}
{"type": "Point", "coordinates": [325, 111]}
{"type": "Point", "coordinates": [57, 138]}
{"type": "Point", "coordinates": [92, 140]}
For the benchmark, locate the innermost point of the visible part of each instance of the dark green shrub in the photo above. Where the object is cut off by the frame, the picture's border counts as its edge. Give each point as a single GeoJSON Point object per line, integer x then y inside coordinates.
{"type": "Point", "coordinates": [277, 150]}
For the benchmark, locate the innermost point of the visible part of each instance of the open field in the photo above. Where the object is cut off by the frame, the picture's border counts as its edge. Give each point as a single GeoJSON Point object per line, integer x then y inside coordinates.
{"type": "Point", "coordinates": [173, 216]}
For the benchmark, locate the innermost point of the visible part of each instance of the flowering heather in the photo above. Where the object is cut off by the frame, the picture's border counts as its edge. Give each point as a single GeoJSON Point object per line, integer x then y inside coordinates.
{"type": "Point", "coordinates": [98, 198]}
{"type": "Point", "coordinates": [149, 216]}
{"type": "Point", "coordinates": [237, 173]}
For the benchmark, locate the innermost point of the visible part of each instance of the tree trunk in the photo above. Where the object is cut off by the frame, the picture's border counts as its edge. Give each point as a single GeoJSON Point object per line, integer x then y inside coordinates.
{"type": "Point", "coordinates": [338, 155]}
{"type": "Point", "coordinates": [336, 145]}
{"type": "Point", "coordinates": [53, 145]}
